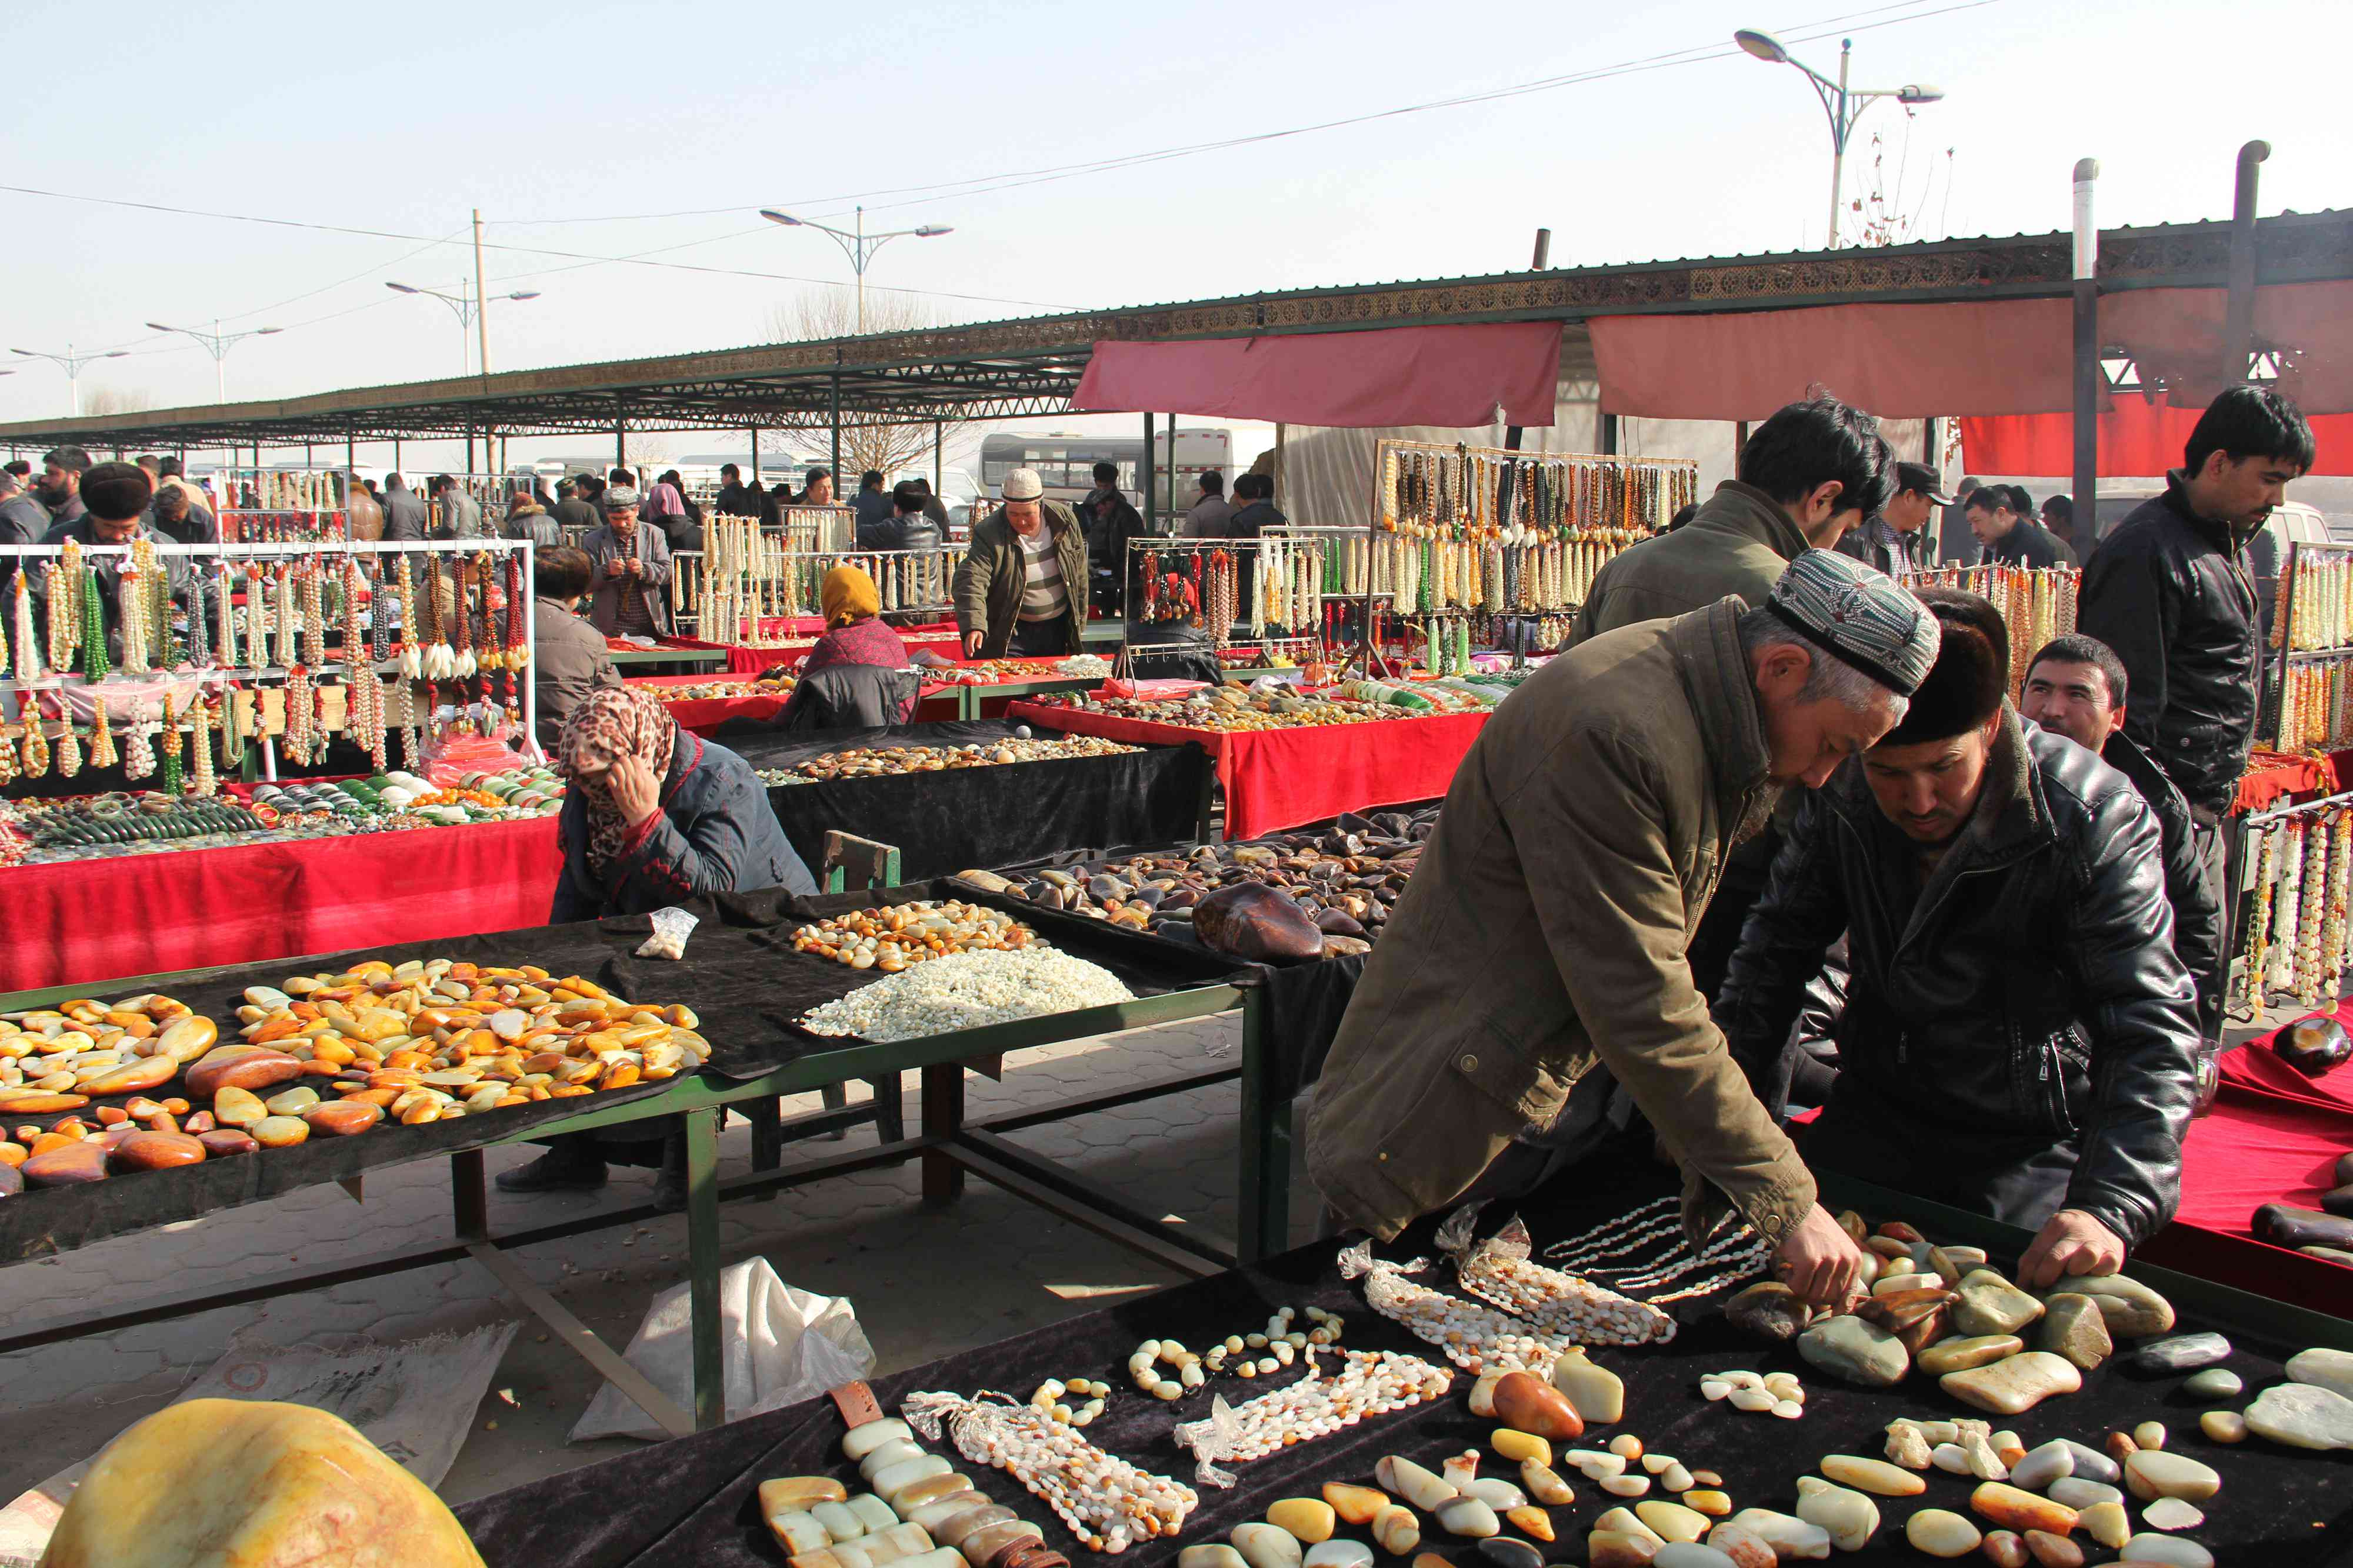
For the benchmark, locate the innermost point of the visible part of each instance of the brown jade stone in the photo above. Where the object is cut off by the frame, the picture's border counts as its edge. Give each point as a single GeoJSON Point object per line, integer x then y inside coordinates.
{"type": "Point", "coordinates": [2282, 1225]}
{"type": "Point", "coordinates": [226, 1141]}
{"type": "Point", "coordinates": [2314, 1046]}
{"type": "Point", "coordinates": [1897, 1231]}
{"type": "Point", "coordinates": [1528, 1403]}
{"type": "Point", "coordinates": [240, 1067]}
{"type": "Point", "coordinates": [202, 1122]}
{"type": "Point", "coordinates": [155, 1152]}
{"type": "Point", "coordinates": [68, 1166]}
{"type": "Point", "coordinates": [342, 1117]}
{"type": "Point", "coordinates": [1918, 1318]}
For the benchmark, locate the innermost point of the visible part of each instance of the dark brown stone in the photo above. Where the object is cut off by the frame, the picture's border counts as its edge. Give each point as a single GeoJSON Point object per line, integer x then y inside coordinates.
{"type": "Point", "coordinates": [240, 1067]}
{"type": "Point", "coordinates": [2314, 1046]}
{"type": "Point", "coordinates": [1256, 923]}
{"type": "Point", "coordinates": [2282, 1225]}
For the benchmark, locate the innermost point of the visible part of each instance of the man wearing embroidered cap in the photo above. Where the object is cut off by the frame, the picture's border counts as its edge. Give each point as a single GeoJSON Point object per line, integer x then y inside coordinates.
{"type": "Point", "coordinates": [1545, 932]}
{"type": "Point", "coordinates": [1021, 588]}
{"type": "Point", "coordinates": [2018, 1037]}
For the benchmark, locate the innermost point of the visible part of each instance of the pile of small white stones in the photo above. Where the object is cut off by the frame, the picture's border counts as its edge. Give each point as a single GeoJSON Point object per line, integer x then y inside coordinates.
{"type": "Point", "coordinates": [967, 991]}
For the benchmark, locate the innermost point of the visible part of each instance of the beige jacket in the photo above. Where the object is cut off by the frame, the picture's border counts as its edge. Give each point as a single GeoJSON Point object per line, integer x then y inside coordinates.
{"type": "Point", "coordinates": [1545, 930]}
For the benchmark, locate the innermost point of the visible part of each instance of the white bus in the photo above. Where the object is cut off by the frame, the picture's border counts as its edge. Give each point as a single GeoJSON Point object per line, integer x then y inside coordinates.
{"type": "Point", "coordinates": [1065, 463]}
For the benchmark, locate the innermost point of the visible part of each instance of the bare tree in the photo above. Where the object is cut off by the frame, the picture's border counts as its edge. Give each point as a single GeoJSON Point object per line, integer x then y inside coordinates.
{"type": "Point", "coordinates": [115, 400]}
{"type": "Point", "coordinates": [821, 314]}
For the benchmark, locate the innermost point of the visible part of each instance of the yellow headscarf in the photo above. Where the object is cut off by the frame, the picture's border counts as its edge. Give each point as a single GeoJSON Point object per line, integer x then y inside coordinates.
{"type": "Point", "coordinates": [847, 594]}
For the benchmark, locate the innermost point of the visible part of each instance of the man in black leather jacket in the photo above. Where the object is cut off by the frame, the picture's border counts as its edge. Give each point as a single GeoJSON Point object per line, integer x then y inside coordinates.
{"type": "Point", "coordinates": [2170, 592]}
{"type": "Point", "coordinates": [2018, 1037]}
{"type": "Point", "coordinates": [2076, 687]}
{"type": "Point", "coordinates": [907, 528]}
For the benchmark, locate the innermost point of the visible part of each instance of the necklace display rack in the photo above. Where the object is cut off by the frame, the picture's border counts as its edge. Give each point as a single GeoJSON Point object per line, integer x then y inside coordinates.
{"type": "Point", "coordinates": [2037, 602]}
{"type": "Point", "coordinates": [1272, 591]}
{"type": "Point", "coordinates": [2295, 938]}
{"type": "Point", "coordinates": [2311, 695]}
{"type": "Point", "coordinates": [746, 573]}
{"type": "Point", "coordinates": [280, 645]}
{"type": "Point", "coordinates": [1497, 546]}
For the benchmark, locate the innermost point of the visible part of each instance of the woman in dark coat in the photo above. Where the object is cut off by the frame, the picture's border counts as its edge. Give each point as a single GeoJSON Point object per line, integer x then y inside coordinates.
{"type": "Point", "coordinates": [654, 814]}
{"type": "Point", "coordinates": [856, 677]}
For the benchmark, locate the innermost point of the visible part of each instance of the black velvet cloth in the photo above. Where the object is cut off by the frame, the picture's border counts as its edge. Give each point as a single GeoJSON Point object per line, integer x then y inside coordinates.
{"type": "Point", "coordinates": [694, 1500]}
{"type": "Point", "coordinates": [968, 818]}
{"type": "Point", "coordinates": [740, 975]}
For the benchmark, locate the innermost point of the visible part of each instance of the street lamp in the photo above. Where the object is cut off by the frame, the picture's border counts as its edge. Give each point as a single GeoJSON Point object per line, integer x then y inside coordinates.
{"type": "Point", "coordinates": [217, 344]}
{"type": "Point", "coordinates": [1843, 107]}
{"type": "Point", "coordinates": [467, 307]}
{"type": "Point", "coordinates": [858, 247]}
{"type": "Point", "coordinates": [72, 363]}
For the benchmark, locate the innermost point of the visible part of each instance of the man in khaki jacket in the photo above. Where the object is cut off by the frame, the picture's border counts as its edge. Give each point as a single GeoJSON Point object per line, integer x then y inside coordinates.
{"type": "Point", "coordinates": [1545, 932]}
{"type": "Point", "coordinates": [1021, 587]}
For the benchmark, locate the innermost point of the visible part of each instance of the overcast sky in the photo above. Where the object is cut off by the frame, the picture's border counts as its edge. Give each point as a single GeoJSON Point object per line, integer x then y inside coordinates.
{"type": "Point", "coordinates": [564, 123]}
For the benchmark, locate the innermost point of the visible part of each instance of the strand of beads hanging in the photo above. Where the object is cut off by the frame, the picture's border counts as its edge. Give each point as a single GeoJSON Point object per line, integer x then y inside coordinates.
{"type": "Point", "coordinates": [170, 783]}
{"type": "Point", "coordinates": [1109, 1503]}
{"type": "Point", "coordinates": [314, 615]}
{"type": "Point", "coordinates": [24, 639]}
{"type": "Point", "coordinates": [380, 602]}
{"type": "Point", "coordinates": [94, 663]}
{"type": "Point", "coordinates": [155, 601]}
{"type": "Point", "coordinates": [36, 744]}
{"type": "Point", "coordinates": [68, 750]}
{"type": "Point", "coordinates": [138, 751]}
{"type": "Point", "coordinates": [8, 759]}
{"type": "Point", "coordinates": [1498, 1270]}
{"type": "Point", "coordinates": [2257, 951]}
{"type": "Point", "coordinates": [63, 577]}
{"type": "Point", "coordinates": [101, 737]}
{"type": "Point", "coordinates": [130, 616]}
{"type": "Point", "coordinates": [200, 624]}
{"type": "Point", "coordinates": [205, 784]}
{"type": "Point", "coordinates": [2312, 917]}
{"type": "Point", "coordinates": [2285, 908]}
{"type": "Point", "coordinates": [1367, 1383]}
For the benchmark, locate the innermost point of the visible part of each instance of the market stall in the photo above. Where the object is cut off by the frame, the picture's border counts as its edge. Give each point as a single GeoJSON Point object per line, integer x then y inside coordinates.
{"type": "Point", "coordinates": [753, 968]}
{"type": "Point", "coordinates": [1663, 1404]}
{"type": "Point", "coordinates": [984, 688]}
{"type": "Point", "coordinates": [947, 813]}
{"type": "Point", "coordinates": [700, 703]}
{"type": "Point", "coordinates": [770, 650]}
{"type": "Point", "coordinates": [1291, 767]}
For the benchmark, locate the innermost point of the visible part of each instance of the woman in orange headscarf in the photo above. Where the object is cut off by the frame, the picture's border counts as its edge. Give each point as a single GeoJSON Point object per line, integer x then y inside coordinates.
{"type": "Point", "coordinates": [856, 677]}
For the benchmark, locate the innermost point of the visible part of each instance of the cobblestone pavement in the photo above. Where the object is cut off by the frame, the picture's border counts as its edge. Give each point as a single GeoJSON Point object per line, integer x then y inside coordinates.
{"type": "Point", "coordinates": [926, 1281]}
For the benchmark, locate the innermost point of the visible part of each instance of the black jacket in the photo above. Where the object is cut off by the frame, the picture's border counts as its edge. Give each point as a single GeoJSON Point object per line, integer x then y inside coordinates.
{"type": "Point", "coordinates": [2169, 592]}
{"type": "Point", "coordinates": [739, 501]}
{"type": "Point", "coordinates": [2023, 1040]}
{"type": "Point", "coordinates": [716, 834]}
{"type": "Point", "coordinates": [901, 531]}
{"type": "Point", "coordinates": [1107, 552]}
{"type": "Point", "coordinates": [2029, 544]}
{"type": "Point", "coordinates": [851, 697]}
{"type": "Point", "coordinates": [2197, 918]}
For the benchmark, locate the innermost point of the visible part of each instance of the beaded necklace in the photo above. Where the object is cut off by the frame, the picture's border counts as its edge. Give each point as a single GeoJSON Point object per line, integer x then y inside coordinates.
{"type": "Point", "coordinates": [1475, 1338]}
{"type": "Point", "coordinates": [1369, 1383]}
{"type": "Point", "coordinates": [1498, 1270]}
{"type": "Point", "coordinates": [1108, 1503]}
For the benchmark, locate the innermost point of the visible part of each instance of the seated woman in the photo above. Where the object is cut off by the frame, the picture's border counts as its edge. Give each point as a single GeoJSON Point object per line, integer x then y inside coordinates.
{"type": "Point", "coordinates": [856, 677]}
{"type": "Point", "coordinates": [654, 814]}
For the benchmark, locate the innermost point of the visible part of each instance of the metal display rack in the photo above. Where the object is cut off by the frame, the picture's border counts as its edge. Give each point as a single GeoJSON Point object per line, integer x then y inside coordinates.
{"type": "Point", "coordinates": [747, 572]}
{"type": "Point", "coordinates": [1268, 592]}
{"type": "Point", "coordinates": [2311, 696]}
{"type": "Point", "coordinates": [132, 693]}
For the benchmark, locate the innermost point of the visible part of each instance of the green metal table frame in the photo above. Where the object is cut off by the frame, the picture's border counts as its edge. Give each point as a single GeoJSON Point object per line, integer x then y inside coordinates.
{"type": "Point", "coordinates": [949, 1147]}
{"type": "Point", "coordinates": [970, 698]}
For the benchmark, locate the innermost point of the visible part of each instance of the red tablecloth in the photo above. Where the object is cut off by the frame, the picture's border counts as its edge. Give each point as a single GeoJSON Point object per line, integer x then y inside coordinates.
{"type": "Point", "coordinates": [2275, 775]}
{"type": "Point", "coordinates": [2254, 1067]}
{"type": "Point", "coordinates": [1276, 779]}
{"type": "Point", "coordinates": [92, 920]}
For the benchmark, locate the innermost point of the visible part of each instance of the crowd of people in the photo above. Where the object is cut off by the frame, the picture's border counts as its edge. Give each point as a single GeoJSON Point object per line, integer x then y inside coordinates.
{"type": "Point", "coordinates": [1988, 944]}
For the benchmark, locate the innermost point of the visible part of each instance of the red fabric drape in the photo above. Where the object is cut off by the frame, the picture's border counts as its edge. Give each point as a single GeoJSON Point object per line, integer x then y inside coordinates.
{"type": "Point", "coordinates": [2254, 1067]}
{"type": "Point", "coordinates": [1449, 375]}
{"type": "Point", "coordinates": [2274, 775]}
{"type": "Point", "coordinates": [2136, 439]}
{"type": "Point", "coordinates": [1276, 779]}
{"type": "Point", "coordinates": [92, 920]}
{"type": "Point", "coordinates": [1988, 356]}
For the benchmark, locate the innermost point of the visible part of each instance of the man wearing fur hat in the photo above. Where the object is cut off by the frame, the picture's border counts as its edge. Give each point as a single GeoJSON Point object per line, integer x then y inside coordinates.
{"type": "Point", "coordinates": [2018, 1037]}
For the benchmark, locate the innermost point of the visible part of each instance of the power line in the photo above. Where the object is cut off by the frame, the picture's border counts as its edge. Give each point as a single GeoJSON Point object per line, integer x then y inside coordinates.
{"type": "Point", "coordinates": [1690, 55]}
{"type": "Point", "coordinates": [514, 249]}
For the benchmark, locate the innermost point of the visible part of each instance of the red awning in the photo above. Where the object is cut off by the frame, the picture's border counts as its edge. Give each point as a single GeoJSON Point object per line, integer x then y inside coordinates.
{"type": "Point", "coordinates": [2137, 438]}
{"type": "Point", "coordinates": [1450, 376]}
{"type": "Point", "coordinates": [1900, 362]}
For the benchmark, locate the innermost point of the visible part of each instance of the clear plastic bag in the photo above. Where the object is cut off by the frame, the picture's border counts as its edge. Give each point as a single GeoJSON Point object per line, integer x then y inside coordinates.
{"type": "Point", "coordinates": [673, 926]}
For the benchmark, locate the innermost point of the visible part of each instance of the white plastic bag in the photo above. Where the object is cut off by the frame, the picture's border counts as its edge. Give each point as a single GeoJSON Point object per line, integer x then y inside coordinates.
{"type": "Point", "coordinates": [778, 1346]}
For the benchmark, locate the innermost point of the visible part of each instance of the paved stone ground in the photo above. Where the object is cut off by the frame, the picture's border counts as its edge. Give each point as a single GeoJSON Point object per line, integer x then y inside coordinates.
{"type": "Point", "coordinates": [926, 1282]}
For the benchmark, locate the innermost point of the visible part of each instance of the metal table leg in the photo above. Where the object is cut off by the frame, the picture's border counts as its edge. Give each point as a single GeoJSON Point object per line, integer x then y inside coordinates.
{"type": "Point", "coordinates": [702, 1263]}
{"type": "Point", "coordinates": [470, 1195]}
{"type": "Point", "coordinates": [942, 1118]}
{"type": "Point", "coordinates": [1265, 1195]}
